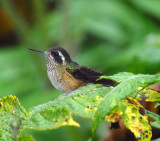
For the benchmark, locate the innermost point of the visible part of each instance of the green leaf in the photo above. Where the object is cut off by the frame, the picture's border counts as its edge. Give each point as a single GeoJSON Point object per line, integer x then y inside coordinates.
{"type": "Point", "coordinates": [156, 117]}
{"type": "Point", "coordinates": [151, 7]}
{"type": "Point", "coordinates": [156, 105]}
{"type": "Point", "coordinates": [120, 92]}
{"type": "Point", "coordinates": [82, 102]}
{"type": "Point", "coordinates": [153, 115]}
{"type": "Point", "coordinates": [119, 77]}
{"type": "Point", "coordinates": [25, 138]}
{"type": "Point", "coordinates": [11, 113]}
{"type": "Point", "coordinates": [53, 114]}
{"type": "Point", "coordinates": [50, 119]}
{"type": "Point", "coordinates": [155, 124]}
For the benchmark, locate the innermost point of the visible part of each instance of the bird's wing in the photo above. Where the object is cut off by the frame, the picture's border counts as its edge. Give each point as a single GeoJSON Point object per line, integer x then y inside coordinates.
{"type": "Point", "coordinates": [89, 75]}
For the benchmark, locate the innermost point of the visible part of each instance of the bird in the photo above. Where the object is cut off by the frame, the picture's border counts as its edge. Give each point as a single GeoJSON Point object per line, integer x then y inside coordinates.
{"type": "Point", "coordinates": [67, 75]}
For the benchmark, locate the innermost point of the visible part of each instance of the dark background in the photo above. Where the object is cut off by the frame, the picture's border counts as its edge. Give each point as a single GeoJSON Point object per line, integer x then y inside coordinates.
{"type": "Point", "coordinates": [110, 36]}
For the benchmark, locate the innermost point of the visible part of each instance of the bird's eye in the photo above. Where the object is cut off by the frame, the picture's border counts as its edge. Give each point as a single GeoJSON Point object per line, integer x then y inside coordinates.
{"type": "Point", "coordinates": [55, 54]}
{"type": "Point", "coordinates": [57, 57]}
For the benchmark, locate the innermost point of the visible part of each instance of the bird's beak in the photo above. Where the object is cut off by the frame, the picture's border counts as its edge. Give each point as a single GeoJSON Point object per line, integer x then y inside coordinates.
{"type": "Point", "coordinates": [38, 50]}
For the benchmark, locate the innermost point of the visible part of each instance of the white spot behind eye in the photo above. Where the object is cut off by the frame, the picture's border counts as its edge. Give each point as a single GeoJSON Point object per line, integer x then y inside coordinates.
{"type": "Point", "coordinates": [63, 58]}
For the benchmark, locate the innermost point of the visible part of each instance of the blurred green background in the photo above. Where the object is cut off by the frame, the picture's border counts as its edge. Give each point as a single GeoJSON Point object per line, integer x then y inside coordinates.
{"type": "Point", "coordinates": [107, 35]}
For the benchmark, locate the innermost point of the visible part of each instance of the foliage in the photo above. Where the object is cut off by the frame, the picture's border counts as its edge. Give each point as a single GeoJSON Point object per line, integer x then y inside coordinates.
{"type": "Point", "coordinates": [123, 90]}
{"type": "Point", "coordinates": [25, 138]}
{"type": "Point", "coordinates": [93, 101]}
{"type": "Point", "coordinates": [110, 36]}
{"type": "Point", "coordinates": [10, 111]}
{"type": "Point", "coordinates": [154, 116]}
{"type": "Point", "coordinates": [135, 119]}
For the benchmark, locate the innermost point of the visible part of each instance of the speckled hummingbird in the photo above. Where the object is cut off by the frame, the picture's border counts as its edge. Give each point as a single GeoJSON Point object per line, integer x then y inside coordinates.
{"type": "Point", "coordinates": [67, 75]}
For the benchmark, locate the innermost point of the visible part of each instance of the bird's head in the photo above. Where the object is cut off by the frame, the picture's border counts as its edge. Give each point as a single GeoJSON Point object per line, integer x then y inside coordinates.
{"type": "Point", "coordinates": [56, 56]}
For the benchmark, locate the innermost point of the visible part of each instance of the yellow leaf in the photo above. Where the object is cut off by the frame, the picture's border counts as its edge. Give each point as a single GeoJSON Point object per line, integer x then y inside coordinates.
{"type": "Point", "coordinates": [115, 115]}
{"type": "Point", "coordinates": [136, 120]}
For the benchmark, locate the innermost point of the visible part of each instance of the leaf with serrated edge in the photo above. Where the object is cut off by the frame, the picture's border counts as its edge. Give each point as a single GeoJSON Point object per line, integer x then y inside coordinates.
{"type": "Point", "coordinates": [11, 113]}
{"type": "Point", "coordinates": [82, 102]}
{"type": "Point", "coordinates": [120, 92]}
{"type": "Point", "coordinates": [50, 119]}
{"type": "Point", "coordinates": [53, 114]}
{"type": "Point", "coordinates": [119, 77]}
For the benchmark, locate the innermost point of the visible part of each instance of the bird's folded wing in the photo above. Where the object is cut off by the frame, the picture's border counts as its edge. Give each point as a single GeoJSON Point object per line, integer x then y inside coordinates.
{"type": "Point", "coordinates": [89, 75]}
